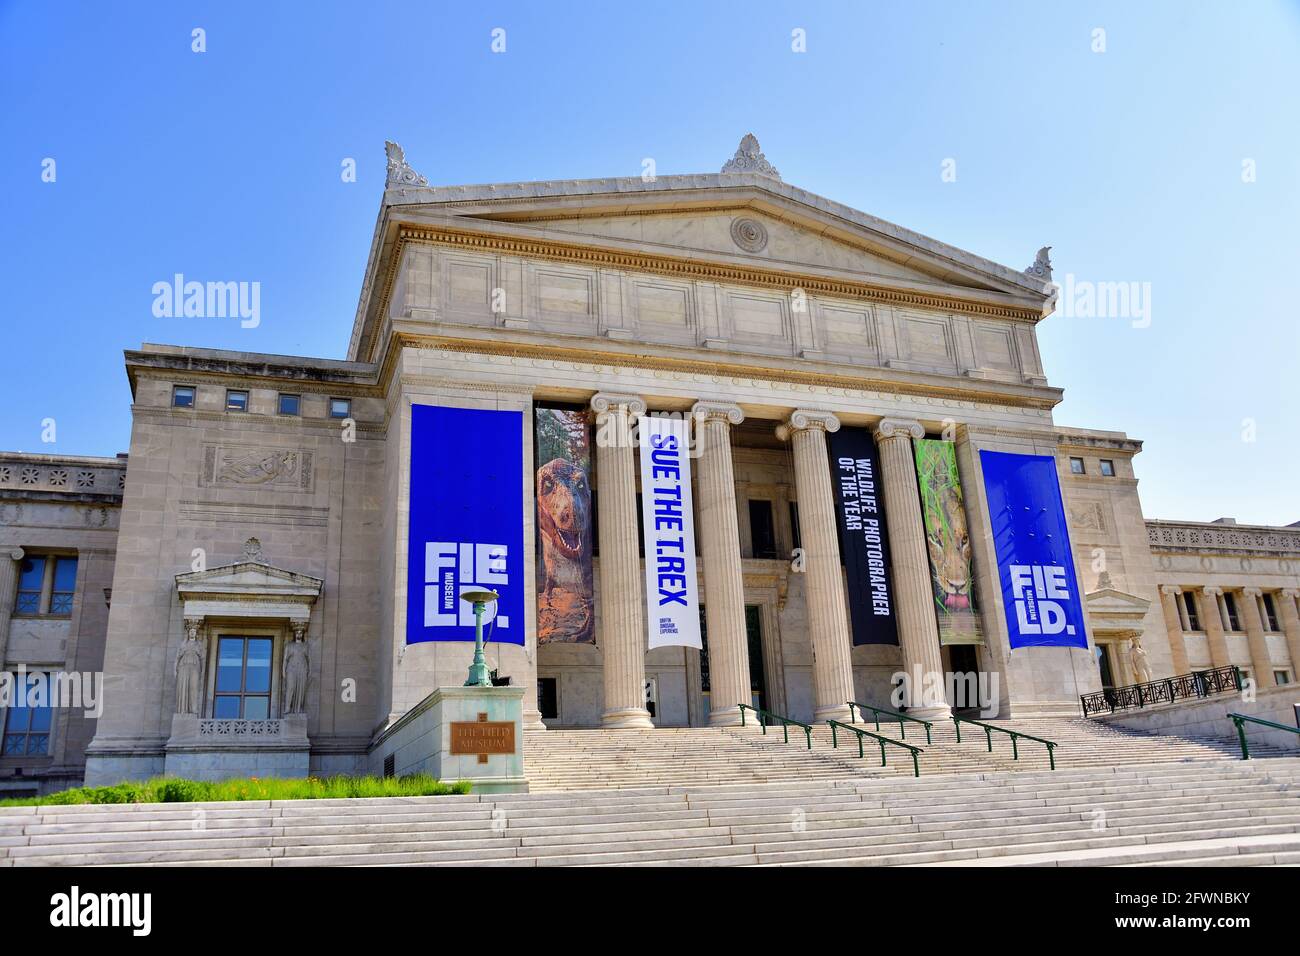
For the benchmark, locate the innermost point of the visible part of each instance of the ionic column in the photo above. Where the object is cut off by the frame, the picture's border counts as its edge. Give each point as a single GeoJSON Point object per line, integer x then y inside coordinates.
{"type": "Point", "coordinates": [828, 621]}
{"type": "Point", "coordinates": [10, 559]}
{"type": "Point", "coordinates": [1213, 622]}
{"type": "Point", "coordinates": [1260, 662]}
{"type": "Point", "coordinates": [1286, 609]}
{"type": "Point", "coordinates": [918, 632]}
{"type": "Point", "coordinates": [622, 614]}
{"type": "Point", "coordinates": [724, 584]}
{"type": "Point", "coordinates": [1174, 627]}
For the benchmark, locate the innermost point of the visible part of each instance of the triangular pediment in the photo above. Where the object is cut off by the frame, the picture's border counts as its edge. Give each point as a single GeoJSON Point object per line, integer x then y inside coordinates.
{"type": "Point", "coordinates": [248, 579]}
{"type": "Point", "coordinates": [1113, 611]}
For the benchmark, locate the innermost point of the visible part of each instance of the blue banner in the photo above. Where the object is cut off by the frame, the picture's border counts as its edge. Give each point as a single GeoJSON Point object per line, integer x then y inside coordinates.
{"type": "Point", "coordinates": [466, 528]}
{"type": "Point", "coordinates": [1040, 592]}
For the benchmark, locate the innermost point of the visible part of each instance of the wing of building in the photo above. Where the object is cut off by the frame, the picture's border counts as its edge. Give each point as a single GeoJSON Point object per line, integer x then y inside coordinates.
{"type": "Point", "coordinates": [268, 579]}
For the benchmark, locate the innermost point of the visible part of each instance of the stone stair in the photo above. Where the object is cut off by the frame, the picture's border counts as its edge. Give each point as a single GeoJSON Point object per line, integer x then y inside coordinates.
{"type": "Point", "coordinates": [1212, 811]}
{"type": "Point", "coordinates": [563, 760]}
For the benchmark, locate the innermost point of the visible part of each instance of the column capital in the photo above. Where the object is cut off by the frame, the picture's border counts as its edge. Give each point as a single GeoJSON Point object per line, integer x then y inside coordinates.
{"type": "Point", "coordinates": [802, 419]}
{"type": "Point", "coordinates": [603, 402]}
{"type": "Point", "coordinates": [1212, 591]}
{"type": "Point", "coordinates": [898, 428]}
{"type": "Point", "coordinates": [15, 552]}
{"type": "Point", "coordinates": [1251, 592]}
{"type": "Point", "coordinates": [1291, 593]}
{"type": "Point", "coordinates": [707, 410]}
{"type": "Point", "coordinates": [1173, 589]}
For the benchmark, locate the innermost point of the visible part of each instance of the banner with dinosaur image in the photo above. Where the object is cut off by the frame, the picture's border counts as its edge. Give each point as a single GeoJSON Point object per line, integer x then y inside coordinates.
{"type": "Point", "coordinates": [566, 607]}
{"type": "Point", "coordinates": [947, 542]}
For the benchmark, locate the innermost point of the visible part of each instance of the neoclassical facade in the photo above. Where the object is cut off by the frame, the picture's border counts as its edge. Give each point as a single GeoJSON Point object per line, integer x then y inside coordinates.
{"type": "Point", "coordinates": [241, 576]}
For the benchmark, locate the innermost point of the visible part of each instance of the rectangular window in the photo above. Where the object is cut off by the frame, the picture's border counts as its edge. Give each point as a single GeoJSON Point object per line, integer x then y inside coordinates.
{"type": "Point", "coordinates": [795, 540]}
{"type": "Point", "coordinates": [183, 396]}
{"type": "Point", "coordinates": [289, 404]}
{"type": "Point", "coordinates": [1076, 466]}
{"type": "Point", "coordinates": [64, 586]}
{"type": "Point", "coordinates": [1108, 468]}
{"type": "Point", "coordinates": [243, 683]}
{"type": "Point", "coordinates": [47, 584]}
{"type": "Point", "coordinates": [1189, 605]}
{"type": "Point", "coordinates": [1281, 678]}
{"type": "Point", "coordinates": [1230, 603]}
{"type": "Point", "coordinates": [1270, 613]}
{"type": "Point", "coordinates": [340, 408]}
{"type": "Point", "coordinates": [236, 400]}
{"type": "Point", "coordinates": [31, 584]}
{"type": "Point", "coordinates": [761, 530]}
{"type": "Point", "coordinates": [27, 728]}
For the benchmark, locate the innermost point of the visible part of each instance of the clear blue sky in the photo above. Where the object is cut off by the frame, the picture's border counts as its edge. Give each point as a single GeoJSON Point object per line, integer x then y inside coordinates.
{"type": "Point", "coordinates": [226, 165]}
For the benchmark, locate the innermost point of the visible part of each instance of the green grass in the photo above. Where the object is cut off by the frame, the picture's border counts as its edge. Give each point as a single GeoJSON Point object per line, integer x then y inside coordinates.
{"type": "Point", "coordinates": [177, 790]}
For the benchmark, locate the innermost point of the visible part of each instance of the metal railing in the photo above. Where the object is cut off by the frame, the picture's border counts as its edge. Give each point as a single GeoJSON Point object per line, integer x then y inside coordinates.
{"type": "Point", "coordinates": [1220, 680]}
{"type": "Point", "coordinates": [1242, 719]}
{"type": "Point", "coordinates": [892, 715]}
{"type": "Point", "coordinates": [916, 766]}
{"type": "Point", "coordinates": [760, 713]}
{"type": "Point", "coordinates": [1014, 734]}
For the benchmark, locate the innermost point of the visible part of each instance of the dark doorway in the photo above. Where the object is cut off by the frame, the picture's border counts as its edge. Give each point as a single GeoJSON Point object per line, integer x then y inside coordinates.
{"type": "Point", "coordinates": [1104, 664]}
{"type": "Point", "coordinates": [964, 660]}
{"type": "Point", "coordinates": [757, 673]}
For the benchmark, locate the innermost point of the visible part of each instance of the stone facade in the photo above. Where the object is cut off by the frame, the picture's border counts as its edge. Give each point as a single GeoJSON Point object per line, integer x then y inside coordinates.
{"type": "Point", "coordinates": [772, 315]}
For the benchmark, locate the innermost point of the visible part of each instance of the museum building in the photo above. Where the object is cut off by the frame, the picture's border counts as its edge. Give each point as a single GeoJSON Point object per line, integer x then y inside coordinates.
{"type": "Point", "coordinates": [714, 440]}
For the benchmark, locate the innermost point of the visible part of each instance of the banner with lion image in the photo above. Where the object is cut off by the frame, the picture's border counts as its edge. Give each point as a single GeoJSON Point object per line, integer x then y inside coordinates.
{"type": "Point", "coordinates": [566, 608]}
{"type": "Point", "coordinates": [947, 542]}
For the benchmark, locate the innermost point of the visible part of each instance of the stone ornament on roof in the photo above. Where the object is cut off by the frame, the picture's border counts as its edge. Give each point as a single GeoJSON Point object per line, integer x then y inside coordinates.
{"type": "Point", "coordinates": [400, 172]}
{"type": "Point", "coordinates": [749, 158]}
{"type": "Point", "coordinates": [1042, 267]}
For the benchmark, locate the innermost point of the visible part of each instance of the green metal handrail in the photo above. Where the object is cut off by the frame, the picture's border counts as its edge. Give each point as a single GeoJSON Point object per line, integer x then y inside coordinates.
{"type": "Point", "coordinates": [760, 713]}
{"type": "Point", "coordinates": [1241, 719]}
{"type": "Point", "coordinates": [1014, 734]}
{"type": "Point", "coordinates": [893, 715]}
{"type": "Point", "coordinates": [916, 766]}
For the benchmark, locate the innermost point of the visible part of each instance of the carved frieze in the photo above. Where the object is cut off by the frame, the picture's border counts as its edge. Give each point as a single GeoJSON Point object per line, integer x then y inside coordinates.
{"type": "Point", "coordinates": [226, 466]}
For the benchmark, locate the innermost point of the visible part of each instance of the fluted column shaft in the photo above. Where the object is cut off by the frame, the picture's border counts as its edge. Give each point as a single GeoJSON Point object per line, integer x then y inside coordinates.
{"type": "Point", "coordinates": [1286, 609]}
{"type": "Point", "coordinates": [1212, 620]}
{"type": "Point", "coordinates": [9, 563]}
{"type": "Point", "coordinates": [828, 621]}
{"type": "Point", "coordinates": [622, 610]}
{"type": "Point", "coordinates": [1174, 628]}
{"type": "Point", "coordinates": [1260, 661]}
{"type": "Point", "coordinates": [724, 583]}
{"type": "Point", "coordinates": [918, 632]}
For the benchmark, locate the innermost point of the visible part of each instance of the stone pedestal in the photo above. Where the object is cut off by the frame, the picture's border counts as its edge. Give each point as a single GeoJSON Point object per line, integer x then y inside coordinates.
{"type": "Point", "coordinates": [442, 734]}
{"type": "Point", "coordinates": [204, 748]}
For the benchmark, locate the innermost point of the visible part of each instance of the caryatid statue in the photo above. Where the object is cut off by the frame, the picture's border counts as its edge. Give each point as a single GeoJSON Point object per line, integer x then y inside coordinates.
{"type": "Point", "coordinates": [295, 669]}
{"type": "Point", "coordinates": [1137, 658]}
{"type": "Point", "coordinates": [190, 663]}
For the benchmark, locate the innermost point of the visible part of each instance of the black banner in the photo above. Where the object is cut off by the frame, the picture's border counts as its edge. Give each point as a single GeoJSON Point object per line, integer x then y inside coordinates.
{"type": "Point", "coordinates": [864, 541]}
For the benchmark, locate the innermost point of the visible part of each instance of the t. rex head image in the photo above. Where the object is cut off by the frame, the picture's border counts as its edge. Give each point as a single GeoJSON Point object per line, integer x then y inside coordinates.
{"type": "Point", "coordinates": [564, 509]}
{"type": "Point", "coordinates": [950, 552]}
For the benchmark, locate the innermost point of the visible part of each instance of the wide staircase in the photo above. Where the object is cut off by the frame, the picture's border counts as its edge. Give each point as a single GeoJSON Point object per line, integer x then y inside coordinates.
{"type": "Point", "coordinates": [1175, 813]}
{"type": "Point", "coordinates": [561, 760]}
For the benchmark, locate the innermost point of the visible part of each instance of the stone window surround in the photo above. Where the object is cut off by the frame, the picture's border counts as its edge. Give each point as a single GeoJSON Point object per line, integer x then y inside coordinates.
{"type": "Point", "coordinates": [47, 586]}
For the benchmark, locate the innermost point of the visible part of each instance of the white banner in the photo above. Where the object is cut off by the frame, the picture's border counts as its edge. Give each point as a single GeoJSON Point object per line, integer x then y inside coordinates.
{"type": "Point", "coordinates": [672, 595]}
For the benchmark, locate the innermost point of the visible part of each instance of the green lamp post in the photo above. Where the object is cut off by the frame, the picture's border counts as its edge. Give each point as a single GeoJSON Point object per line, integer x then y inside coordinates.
{"type": "Point", "coordinates": [478, 671]}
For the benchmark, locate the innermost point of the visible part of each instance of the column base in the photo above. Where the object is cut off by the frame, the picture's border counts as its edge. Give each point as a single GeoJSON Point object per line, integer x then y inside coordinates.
{"type": "Point", "coordinates": [726, 717]}
{"type": "Point", "coordinates": [627, 718]}
{"type": "Point", "coordinates": [935, 712]}
{"type": "Point", "coordinates": [533, 720]}
{"type": "Point", "coordinates": [840, 712]}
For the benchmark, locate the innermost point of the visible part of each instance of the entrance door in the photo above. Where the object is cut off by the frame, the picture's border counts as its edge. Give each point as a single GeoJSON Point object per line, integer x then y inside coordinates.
{"type": "Point", "coordinates": [757, 674]}
{"type": "Point", "coordinates": [1104, 664]}
{"type": "Point", "coordinates": [964, 661]}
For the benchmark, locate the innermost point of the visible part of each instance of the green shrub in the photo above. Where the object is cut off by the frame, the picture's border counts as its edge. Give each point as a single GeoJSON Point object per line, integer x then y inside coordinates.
{"type": "Point", "coordinates": [179, 790]}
